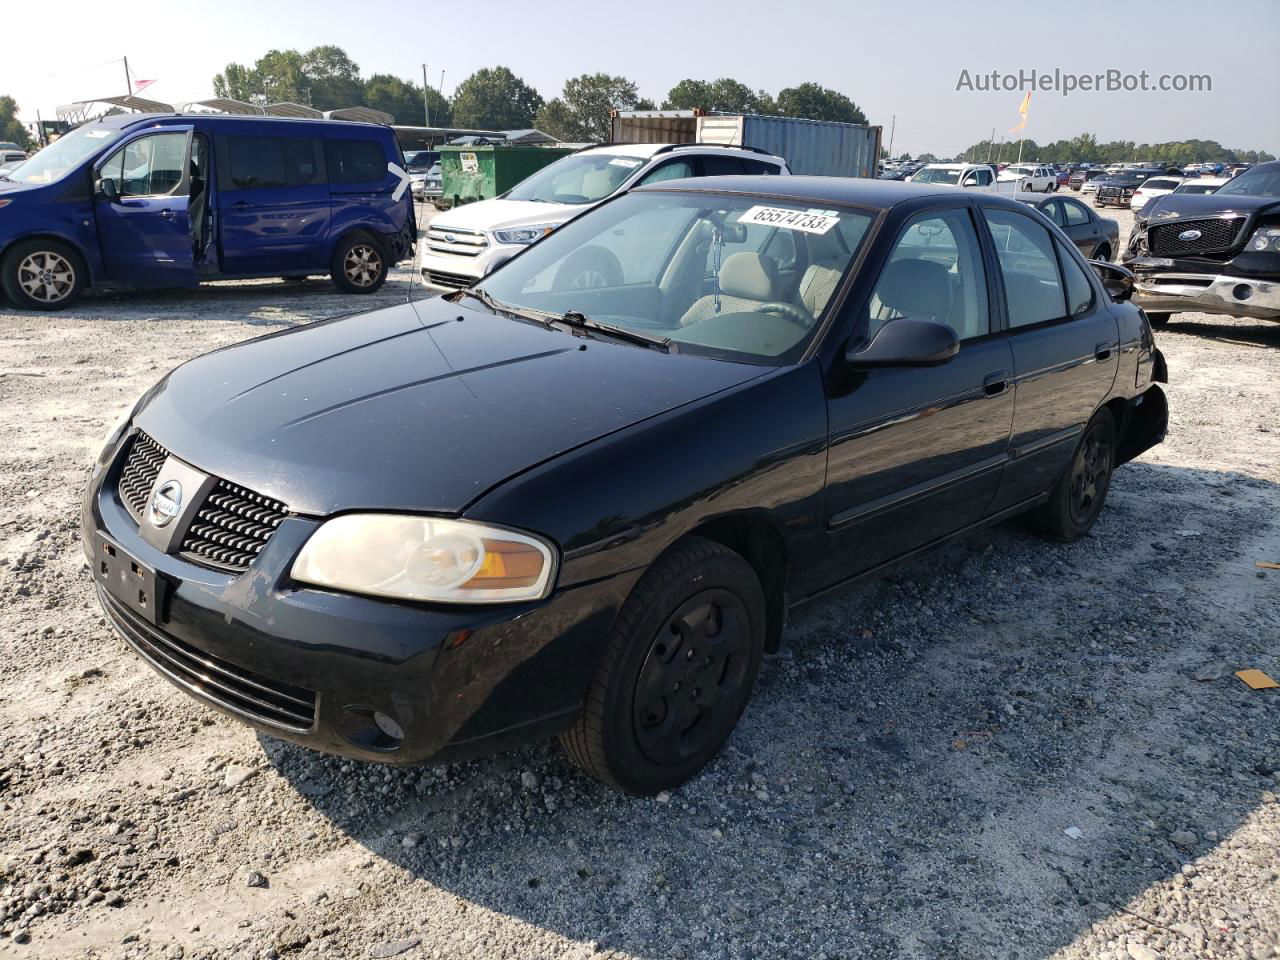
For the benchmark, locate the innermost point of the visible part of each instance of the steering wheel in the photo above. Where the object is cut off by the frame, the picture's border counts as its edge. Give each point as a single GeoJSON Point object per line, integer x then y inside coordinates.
{"type": "Point", "coordinates": [788, 311]}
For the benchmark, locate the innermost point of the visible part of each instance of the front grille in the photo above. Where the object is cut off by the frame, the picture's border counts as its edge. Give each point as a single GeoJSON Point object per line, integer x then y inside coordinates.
{"type": "Point", "coordinates": [232, 526]}
{"type": "Point", "coordinates": [226, 684]}
{"type": "Point", "coordinates": [455, 280]}
{"type": "Point", "coordinates": [463, 243]}
{"type": "Point", "coordinates": [1216, 234]}
{"type": "Point", "coordinates": [146, 457]}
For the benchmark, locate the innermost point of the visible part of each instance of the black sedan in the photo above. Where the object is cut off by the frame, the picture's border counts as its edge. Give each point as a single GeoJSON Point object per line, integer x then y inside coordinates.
{"type": "Point", "coordinates": [533, 508]}
{"type": "Point", "coordinates": [1097, 238]}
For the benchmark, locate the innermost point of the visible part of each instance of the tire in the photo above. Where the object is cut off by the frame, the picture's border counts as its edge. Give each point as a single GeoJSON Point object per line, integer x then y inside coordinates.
{"type": "Point", "coordinates": [359, 263]}
{"type": "Point", "coordinates": [653, 716]}
{"type": "Point", "coordinates": [41, 274]}
{"type": "Point", "coordinates": [589, 269]}
{"type": "Point", "coordinates": [1081, 491]}
{"type": "Point", "coordinates": [1158, 320]}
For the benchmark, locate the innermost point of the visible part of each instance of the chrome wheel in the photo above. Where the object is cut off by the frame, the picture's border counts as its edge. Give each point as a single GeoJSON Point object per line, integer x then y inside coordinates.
{"type": "Point", "coordinates": [46, 276]}
{"type": "Point", "coordinates": [362, 265]}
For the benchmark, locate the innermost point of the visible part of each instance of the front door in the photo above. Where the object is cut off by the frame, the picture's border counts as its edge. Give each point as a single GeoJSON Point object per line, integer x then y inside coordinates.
{"type": "Point", "coordinates": [1065, 350]}
{"type": "Point", "coordinates": [916, 453]}
{"type": "Point", "coordinates": [145, 231]}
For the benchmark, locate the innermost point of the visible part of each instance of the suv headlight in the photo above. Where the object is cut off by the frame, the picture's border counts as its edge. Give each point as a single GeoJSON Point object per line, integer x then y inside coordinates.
{"type": "Point", "coordinates": [1265, 239]}
{"type": "Point", "coordinates": [425, 558]}
{"type": "Point", "coordinates": [524, 234]}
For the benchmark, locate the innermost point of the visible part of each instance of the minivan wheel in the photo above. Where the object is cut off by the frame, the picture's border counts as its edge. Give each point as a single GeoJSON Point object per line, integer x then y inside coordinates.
{"type": "Point", "coordinates": [1158, 319]}
{"type": "Point", "coordinates": [1080, 492]}
{"type": "Point", "coordinates": [588, 269]}
{"type": "Point", "coordinates": [359, 264]}
{"type": "Point", "coordinates": [42, 275]}
{"type": "Point", "coordinates": [675, 673]}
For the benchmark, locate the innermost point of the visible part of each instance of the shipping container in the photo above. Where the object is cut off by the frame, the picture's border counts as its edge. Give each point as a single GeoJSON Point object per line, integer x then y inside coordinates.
{"type": "Point", "coordinates": [814, 147]}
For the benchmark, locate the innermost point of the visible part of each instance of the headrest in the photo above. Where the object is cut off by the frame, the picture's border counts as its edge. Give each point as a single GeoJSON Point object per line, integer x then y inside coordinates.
{"type": "Point", "coordinates": [751, 276]}
{"type": "Point", "coordinates": [916, 288]}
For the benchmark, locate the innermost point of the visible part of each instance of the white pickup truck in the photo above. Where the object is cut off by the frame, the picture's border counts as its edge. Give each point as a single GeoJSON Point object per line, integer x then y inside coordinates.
{"type": "Point", "coordinates": [973, 176]}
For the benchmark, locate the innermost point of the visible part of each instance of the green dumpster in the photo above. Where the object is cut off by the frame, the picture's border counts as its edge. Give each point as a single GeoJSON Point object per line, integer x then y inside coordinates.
{"type": "Point", "coordinates": [482, 173]}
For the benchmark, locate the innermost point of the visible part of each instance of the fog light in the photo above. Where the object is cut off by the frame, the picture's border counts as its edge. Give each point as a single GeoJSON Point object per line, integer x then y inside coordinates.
{"type": "Point", "coordinates": [387, 725]}
{"type": "Point", "coordinates": [1242, 291]}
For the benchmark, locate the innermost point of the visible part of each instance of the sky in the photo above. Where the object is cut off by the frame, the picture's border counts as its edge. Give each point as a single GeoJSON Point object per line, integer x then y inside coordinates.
{"type": "Point", "coordinates": [900, 61]}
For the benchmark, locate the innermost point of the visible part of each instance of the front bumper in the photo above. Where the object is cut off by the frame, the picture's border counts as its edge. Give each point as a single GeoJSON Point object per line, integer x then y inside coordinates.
{"type": "Point", "coordinates": [313, 666]}
{"type": "Point", "coordinates": [1177, 292]}
{"type": "Point", "coordinates": [444, 271]}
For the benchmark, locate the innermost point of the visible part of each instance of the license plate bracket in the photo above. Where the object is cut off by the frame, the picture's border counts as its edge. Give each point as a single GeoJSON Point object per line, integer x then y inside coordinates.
{"type": "Point", "coordinates": [128, 579]}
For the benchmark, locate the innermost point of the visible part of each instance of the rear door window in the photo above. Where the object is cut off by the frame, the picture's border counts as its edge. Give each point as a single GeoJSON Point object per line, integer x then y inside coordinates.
{"type": "Point", "coordinates": [1077, 214]}
{"type": "Point", "coordinates": [756, 168]}
{"type": "Point", "coordinates": [263, 162]}
{"type": "Point", "coordinates": [714, 166]}
{"type": "Point", "coordinates": [355, 161]}
{"type": "Point", "coordinates": [1032, 281]}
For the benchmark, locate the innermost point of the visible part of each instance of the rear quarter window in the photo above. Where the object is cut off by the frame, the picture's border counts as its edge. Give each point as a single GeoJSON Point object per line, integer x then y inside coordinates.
{"type": "Point", "coordinates": [355, 161]}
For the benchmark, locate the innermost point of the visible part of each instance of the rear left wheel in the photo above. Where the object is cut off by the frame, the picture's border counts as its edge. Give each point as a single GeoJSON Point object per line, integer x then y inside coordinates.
{"type": "Point", "coordinates": [676, 672]}
{"type": "Point", "coordinates": [1080, 492]}
{"type": "Point", "coordinates": [359, 264]}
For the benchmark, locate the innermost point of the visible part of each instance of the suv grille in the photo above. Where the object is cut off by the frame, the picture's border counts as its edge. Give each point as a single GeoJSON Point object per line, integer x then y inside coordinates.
{"type": "Point", "coordinates": [455, 280]}
{"type": "Point", "coordinates": [232, 525]}
{"type": "Point", "coordinates": [463, 243]}
{"type": "Point", "coordinates": [227, 684]}
{"type": "Point", "coordinates": [146, 457]}
{"type": "Point", "coordinates": [1216, 234]}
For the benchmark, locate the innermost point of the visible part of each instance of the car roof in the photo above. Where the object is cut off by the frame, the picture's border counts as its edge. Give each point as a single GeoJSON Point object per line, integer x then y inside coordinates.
{"type": "Point", "coordinates": [121, 121]}
{"type": "Point", "coordinates": [650, 150]}
{"type": "Point", "coordinates": [851, 191]}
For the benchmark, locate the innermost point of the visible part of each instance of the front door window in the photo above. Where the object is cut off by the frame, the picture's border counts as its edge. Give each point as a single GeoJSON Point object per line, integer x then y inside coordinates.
{"type": "Point", "coordinates": [149, 166]}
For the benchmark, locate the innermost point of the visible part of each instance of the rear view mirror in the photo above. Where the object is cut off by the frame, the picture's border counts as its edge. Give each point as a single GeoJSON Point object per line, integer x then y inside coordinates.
{"type": "Point", "coordinates": [1117, 280]}
{"type": "Point", "coordinates": [907, 342]}
{"type": "Point", "coordinates": [107, 190]}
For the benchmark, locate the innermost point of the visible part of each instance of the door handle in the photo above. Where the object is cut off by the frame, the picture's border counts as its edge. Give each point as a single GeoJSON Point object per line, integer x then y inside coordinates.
{"type": "Point", "coordinates": [1102, 352]}
{"type": "Point", "coordinates": [166, 214]}
{"type": "Point", "coordinates": [994, 384]}
{"type": "Point", "coordinates": [241, 205]}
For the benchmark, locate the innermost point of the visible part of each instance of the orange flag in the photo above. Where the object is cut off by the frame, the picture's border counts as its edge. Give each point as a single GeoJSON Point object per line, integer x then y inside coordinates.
{"type": "Point", "coordinates": [1026, 105]}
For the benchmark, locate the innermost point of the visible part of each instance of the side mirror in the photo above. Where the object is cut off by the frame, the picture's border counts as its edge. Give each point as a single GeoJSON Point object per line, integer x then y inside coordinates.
{"type": "Point", "coordinates": [107, 190]}
{"type": "Point", "coordinates": [906, 342]}
{"type": "Point", "coordinates": [1117, 280]}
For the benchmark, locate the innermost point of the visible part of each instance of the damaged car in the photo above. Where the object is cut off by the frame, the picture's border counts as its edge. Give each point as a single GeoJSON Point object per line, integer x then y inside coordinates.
{"type": "Point", "coordinates": [1213, 253]}
{"type": "Point", "coordinates": [528, 508]}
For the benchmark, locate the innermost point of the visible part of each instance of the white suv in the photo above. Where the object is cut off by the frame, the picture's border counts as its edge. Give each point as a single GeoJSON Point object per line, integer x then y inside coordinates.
{"type": "Point", "coordinates": [466, 243]}
{"type": "Point", "coordinates": [1031, 176]}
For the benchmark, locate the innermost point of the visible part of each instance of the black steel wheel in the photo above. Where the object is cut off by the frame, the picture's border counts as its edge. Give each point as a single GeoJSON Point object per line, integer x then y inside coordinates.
{"type": "Point", "coordinates": [676, 672]}
{"type": "Point", "coordinates": [1158, 319]}
{"type": "Point", "coordinates": [1080, 492]}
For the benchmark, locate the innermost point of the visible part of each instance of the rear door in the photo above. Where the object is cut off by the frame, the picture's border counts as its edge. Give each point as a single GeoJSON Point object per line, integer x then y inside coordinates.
{"type": "Point", "coordinates": [145, 234]}
{"type": "Point", "coordinates": [1065, 350]}
{"type": "Point", "coordinates": [272, 199]}
{"type": "Point", "coordinates": [1081, 226]}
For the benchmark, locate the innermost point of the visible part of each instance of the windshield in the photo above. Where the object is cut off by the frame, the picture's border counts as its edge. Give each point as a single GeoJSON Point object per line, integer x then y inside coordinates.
{"type": "Point", "coordinates": [936, 175]}
{"type": "Point", "coordinates": [1256, 183]}
{"type": "Point", "coordinates": [580, 178]}
{"type": "Point", "coordinates": [733, 277]}
{"type": "Point", "coordinates": [63, 155]}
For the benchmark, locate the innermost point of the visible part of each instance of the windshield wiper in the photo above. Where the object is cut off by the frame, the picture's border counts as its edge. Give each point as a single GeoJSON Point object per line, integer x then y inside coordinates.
{"type": "Point", "coordinates": [497, 306]}
{"type": "Point", "coordinates": [577, 318]}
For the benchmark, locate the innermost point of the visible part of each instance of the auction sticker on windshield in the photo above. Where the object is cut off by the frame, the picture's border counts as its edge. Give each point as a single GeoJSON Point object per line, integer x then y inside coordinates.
{"type": "Point", "coordinates": [809, 221]}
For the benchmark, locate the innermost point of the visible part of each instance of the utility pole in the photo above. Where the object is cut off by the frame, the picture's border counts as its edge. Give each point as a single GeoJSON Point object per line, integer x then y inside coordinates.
{"type": "Point", "coordinates": [991, 144]}
{"type": "Point", "coordinates": [893, 125]}
{"type": "Point", "coordinates": [426, 104]}
{"type": "Point", "coordinates": [128, 84]}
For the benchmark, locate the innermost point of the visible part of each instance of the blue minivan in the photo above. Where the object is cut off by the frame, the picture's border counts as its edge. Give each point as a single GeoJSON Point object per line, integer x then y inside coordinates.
{"type": "Point", "coordinates": [169, 200]}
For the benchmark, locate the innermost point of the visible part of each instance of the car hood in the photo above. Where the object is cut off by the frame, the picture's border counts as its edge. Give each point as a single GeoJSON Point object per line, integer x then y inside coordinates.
{"type": "Point", "coordinates": [422, 406]}
{"type": "Point", "coordinates": [1183, 206]}
{"type": "Point", "coordinates": [503, 214]}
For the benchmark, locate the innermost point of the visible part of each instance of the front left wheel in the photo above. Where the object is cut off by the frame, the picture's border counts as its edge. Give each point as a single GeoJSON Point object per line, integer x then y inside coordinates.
{"type": "Point", "coordinates": [42, 274]}
{"type": "Point", "coordinates": [675, 673]}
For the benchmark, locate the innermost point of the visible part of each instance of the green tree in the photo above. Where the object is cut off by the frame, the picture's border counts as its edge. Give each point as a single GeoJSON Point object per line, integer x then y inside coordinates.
{"type": "Point", "coordinates": [582, 111]}
{"type": "Point", "coordinates": [555, 118]}
{"type": "Point", "coordinates": [403, 100]}
{"type": "Point", "coordinates": [494, 98]}
{"type": "Point", "coordinates": [239, 83]}
{"type": "Point", "coordinates": [332, 78]}
{"type": "Point", "coordinates": [281, 77]}
{"type": "Point", "coordinates": [813, 102]}
{"type": "Point", "coordinates": [725, 95]}
{"type": "Point", "coordinates": [11, 127]}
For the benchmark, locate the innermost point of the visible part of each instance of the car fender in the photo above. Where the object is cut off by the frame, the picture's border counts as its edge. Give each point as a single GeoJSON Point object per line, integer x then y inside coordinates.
{"type": "Point", "coordinates": [91, 256]}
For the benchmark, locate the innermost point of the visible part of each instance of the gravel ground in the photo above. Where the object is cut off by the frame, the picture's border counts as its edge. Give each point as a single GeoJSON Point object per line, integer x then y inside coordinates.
{"type": "Point", "coordinates": [1010, 749]}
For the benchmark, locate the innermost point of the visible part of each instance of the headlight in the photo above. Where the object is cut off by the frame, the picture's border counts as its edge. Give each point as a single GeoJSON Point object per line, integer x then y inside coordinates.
{"type": "Point", "coordinates": [423, 558]}
{"type": "Point", "coordinates": [1265, 239]}
{"type": "Point", "coordinates": [523, 234]}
